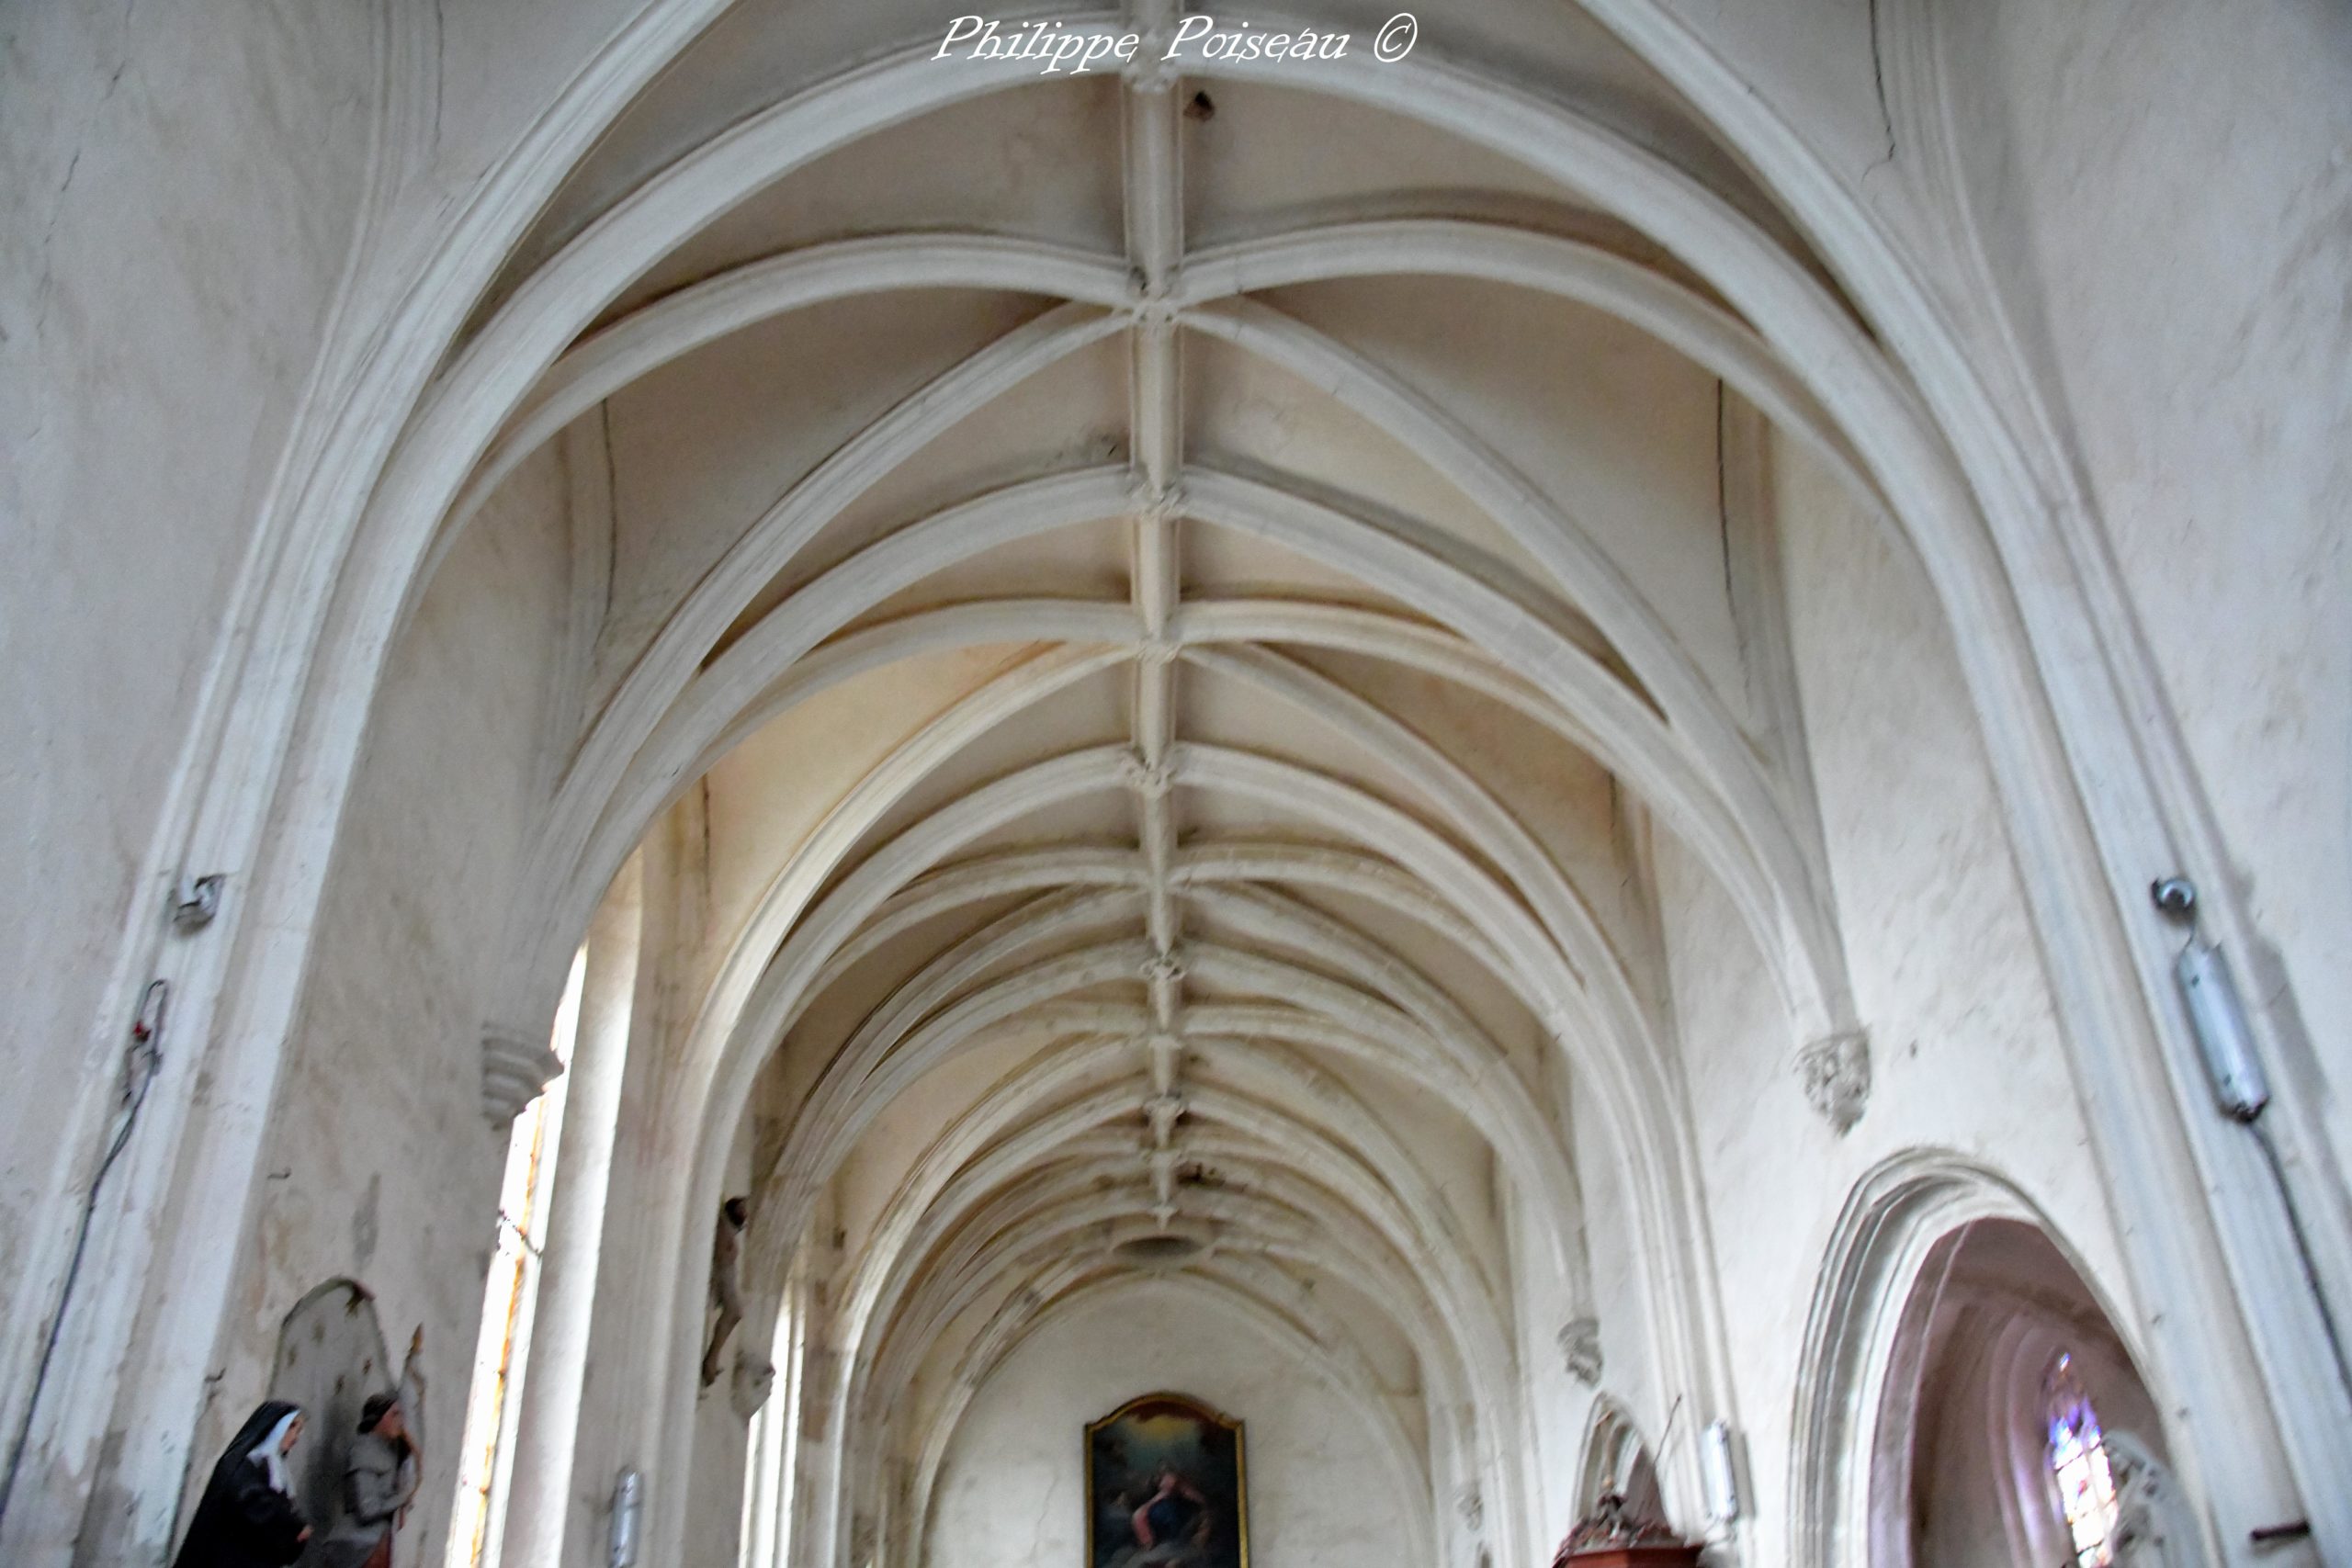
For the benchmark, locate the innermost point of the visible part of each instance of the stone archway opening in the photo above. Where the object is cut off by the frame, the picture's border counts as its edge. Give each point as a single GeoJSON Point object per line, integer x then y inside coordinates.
{"type": "Point", "coordinates": [2014, 1425]}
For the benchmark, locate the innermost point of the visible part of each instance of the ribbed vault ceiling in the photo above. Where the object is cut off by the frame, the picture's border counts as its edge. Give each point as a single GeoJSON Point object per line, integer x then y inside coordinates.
{"type": "Point", "coordinates": [1179, 616]}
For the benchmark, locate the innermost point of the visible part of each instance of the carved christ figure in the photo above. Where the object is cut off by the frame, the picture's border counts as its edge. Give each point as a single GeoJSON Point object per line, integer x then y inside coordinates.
{"type": "Point", "coordinates": [726, 1291]}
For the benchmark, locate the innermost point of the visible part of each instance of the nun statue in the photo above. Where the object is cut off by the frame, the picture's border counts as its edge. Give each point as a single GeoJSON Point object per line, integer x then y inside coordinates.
{"type": "Point", "coordinates": [379, 1481]}
{"type": "Point", "coordinates": [246, 1518]}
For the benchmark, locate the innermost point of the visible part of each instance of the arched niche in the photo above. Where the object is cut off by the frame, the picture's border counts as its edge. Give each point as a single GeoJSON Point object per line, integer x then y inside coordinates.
{"type": "Point", "coordinates": [1924, 1224]}
{"type": "Point", "coordinates": [1997, 1328]}
{"type": "Point", "coordinates": [1617, 1461]}
{"type": "Point", "coordinates": [331, 1357]}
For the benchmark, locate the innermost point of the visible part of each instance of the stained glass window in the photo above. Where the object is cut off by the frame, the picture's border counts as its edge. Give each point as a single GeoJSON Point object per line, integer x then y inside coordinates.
{"type": "Point", "coordinates": [2078, 1464]}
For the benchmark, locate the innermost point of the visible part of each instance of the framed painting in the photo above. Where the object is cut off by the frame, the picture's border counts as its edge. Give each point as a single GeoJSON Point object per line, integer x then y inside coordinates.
{"type": "Point", "coordinates": [1166, 1487]}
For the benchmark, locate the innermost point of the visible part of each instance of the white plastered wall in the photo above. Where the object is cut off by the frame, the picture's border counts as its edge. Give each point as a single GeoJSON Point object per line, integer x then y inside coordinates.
{"type": "Point", "coordinates": [381, 1164]}
{"type": "Point", "coordinates": [1964, 1048]}
{"type": "Point", "coordinates": [211, 212]}
{"type": "Point", "coordinates": [2164, 199]}
{"type": "Point", "coordinates": [157, 322]}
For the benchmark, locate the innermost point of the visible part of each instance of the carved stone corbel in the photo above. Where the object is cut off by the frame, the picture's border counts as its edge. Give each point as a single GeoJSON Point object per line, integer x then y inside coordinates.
{"type": "Point", "coordinates": [517, 1067]}
{"type": "Point", "coordinates": [1836, 1073]}
{"type": "Point", "coordinates": [1579, 1342]}
{"type": "Point", "coordinates": [754, 1380]}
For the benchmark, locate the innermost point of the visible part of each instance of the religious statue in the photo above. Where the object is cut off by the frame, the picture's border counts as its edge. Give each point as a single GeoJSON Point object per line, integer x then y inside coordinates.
{"type": "Point", "coordinates": [726, 1292]}
{"type": "Point", "coordinates": [381, 1477]}
{"type": "Point", "coordinates": [2153, 1530]}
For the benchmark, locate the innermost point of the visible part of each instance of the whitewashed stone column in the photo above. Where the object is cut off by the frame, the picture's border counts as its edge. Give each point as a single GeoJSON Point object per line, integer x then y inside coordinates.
{"type": "Point", "coordinates": [547, 1426]}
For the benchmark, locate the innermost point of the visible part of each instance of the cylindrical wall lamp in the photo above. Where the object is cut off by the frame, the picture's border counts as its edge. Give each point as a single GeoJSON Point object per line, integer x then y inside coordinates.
{"type": "Point", "coordinates": [1719, 1471]}
{"type": "Point", "coordinates": [2218, 1016]}
{"type": "Point", "coordinates": [628, 1502]}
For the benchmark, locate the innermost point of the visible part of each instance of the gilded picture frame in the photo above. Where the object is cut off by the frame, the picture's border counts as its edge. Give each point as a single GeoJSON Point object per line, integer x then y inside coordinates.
{"type": "Point", "coordinates": [1167, 1486]}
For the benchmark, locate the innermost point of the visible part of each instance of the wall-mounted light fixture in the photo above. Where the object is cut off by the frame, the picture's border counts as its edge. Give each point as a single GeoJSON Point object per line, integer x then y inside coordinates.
{"type": "Point", "coordinates": [1719, 1471]}
{"type": "Point", "coordinates": [628, 1502]}
{"type": "Point", "coordinates": [2216, 1011]}
{"type": "Point", "coordinates": [2217, 1017]}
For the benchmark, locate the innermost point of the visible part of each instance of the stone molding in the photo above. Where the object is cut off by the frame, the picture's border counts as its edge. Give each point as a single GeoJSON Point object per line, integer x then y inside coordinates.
{"type": "Point", "coordinates": [517, 1068]}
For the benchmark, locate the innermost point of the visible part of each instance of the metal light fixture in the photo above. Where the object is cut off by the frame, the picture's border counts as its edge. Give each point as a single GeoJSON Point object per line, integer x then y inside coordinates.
{"type": "Point", "coordinates": [1719, 1471]}
{"type": "Point", "coordinates": [628, 1502]}
{"type": "Point", "coordinates": [2218, 1015]}
{"type": "Point", "coordinates": [2216, 1011]}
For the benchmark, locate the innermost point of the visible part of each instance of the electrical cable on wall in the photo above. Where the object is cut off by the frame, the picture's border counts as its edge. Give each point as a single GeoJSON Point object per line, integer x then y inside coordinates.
{"type": "Point", "coordinates": [143, 1059]}
{"type": "Point", "coordinates": [2303, 1251]}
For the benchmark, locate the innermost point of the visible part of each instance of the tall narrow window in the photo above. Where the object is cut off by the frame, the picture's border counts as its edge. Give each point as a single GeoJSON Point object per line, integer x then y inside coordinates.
{"type": "Point", "coordinates": [503, 1352]}
{"type": "Point", "coordinates": [771, 1469]}
{"type": "Point", "coordinates": [2078, 1464]}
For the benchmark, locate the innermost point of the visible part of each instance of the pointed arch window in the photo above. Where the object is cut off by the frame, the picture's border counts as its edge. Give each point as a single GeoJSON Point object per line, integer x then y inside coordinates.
{"type": "Point", "coordinates": [2078, 1464]}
